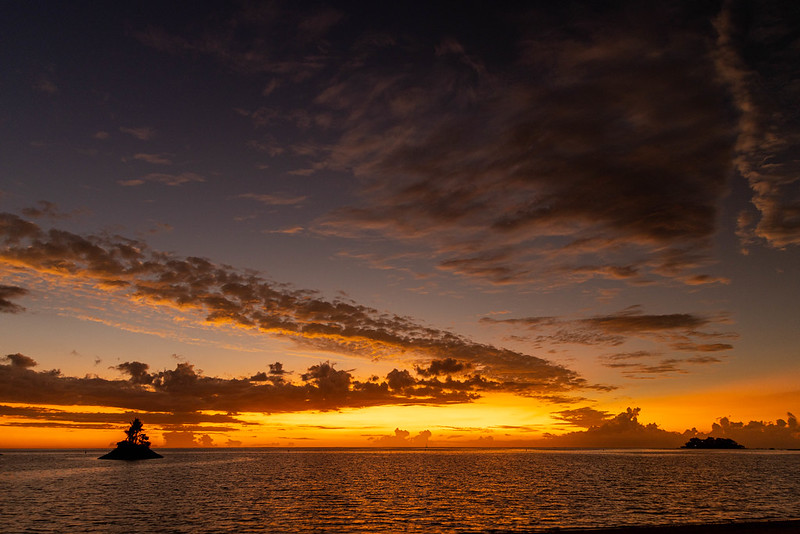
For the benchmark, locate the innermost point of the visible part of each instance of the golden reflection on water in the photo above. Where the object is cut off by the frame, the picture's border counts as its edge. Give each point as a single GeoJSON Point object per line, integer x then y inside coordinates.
{"type": "Point", "coordinates": [369, 490]}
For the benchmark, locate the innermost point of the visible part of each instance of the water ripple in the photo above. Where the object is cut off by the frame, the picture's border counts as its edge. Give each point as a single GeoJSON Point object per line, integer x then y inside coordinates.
{"type": "Point", "coordinates": [393, 491]}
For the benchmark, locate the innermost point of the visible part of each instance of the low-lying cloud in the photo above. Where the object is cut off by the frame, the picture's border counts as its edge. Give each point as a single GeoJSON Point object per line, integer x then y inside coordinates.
{"type": "Point", "coordinates": [403, 438]}
{"type": "Point", "coordinates": [625, 430]}
{"type": "Point", "coordinates": [226, 296]}
{"type": "Point", "coordinates": [185, 391]}
{"type": "Point", "coordinates": [601, 429]}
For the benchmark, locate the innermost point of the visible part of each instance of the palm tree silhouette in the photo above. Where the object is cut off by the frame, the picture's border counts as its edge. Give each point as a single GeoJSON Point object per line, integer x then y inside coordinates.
{"type": "Point", "coordinates": [136, 446]}
{"type": "Point", "coordinates": [135, 434]}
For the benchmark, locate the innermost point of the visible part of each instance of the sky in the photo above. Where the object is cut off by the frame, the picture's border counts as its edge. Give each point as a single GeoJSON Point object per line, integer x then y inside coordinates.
{"type": "Point", "coordinates": [310, 224]}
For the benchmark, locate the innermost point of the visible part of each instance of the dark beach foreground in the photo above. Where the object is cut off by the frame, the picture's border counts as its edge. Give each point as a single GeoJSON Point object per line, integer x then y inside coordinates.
{"type": "Point", "coordinates": [768, 527]}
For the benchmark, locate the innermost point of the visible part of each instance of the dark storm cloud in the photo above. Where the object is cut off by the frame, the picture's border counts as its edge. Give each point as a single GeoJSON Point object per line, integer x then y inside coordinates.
{"type": "Point", "coordinates": [225, 295]}
{"type": "Point", "coordinates": [9, 293]}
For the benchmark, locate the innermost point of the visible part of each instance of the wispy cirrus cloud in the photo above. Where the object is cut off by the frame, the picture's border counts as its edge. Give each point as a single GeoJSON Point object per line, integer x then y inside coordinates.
{"type": "Point", "coordinates": [648, 365]}
{"type": "Point", "coordinates": [155, 159]}
{"type": "Point", "coordinates": [164, 178]}
{"type": "Point", "coordinates": [596, 148]}
{"type": "Point", "coordinates": [245, 300]}
{"type": "Point", "coordinates": [561, 166]}
{"type": "Point", "coordinates": [142, 133]}
{"type": "Point", "coordinates": [45, 84]}
{"type": "Point", "coordinates": [44, 209]}
{"type": "Point", "coordinates": [613, 329]}
{"type": "Point", "coordinates": [291, 230]}
{"type": "Point", "coordinates": [579, 145]}
{"type": "Point", "coordinates": [677, 332]}
{"type": "Point", "coordinates": [301, 33]}
{"type": "Point", "coordinates": [756, 55]}
{"type": "Point", "coordinates": [275, 199]}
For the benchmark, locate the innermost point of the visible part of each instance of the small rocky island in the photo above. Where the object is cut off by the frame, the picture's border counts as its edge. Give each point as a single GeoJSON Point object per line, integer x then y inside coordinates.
{"type": "Point", "coordinates": [712, 443]}
{"type": "Point", "coordinates": [135, 447]}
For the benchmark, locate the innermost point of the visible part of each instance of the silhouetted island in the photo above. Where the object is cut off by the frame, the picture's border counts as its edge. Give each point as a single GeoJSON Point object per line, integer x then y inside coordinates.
{"type": "Point", "coordinates": [135, 447]}
{"type": "Point", "coordinates": [712, 443]}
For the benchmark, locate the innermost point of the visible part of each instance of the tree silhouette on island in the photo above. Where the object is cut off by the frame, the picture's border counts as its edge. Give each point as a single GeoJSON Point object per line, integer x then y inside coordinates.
{"type": "Point", "coordinates": [135, 447]}
{"type": "Point", "coordinates": [712, 443]}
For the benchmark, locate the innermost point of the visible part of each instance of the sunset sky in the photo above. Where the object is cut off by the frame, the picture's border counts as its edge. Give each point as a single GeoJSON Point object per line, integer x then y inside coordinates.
{"type": "Point", "coordinates": [374, 224]}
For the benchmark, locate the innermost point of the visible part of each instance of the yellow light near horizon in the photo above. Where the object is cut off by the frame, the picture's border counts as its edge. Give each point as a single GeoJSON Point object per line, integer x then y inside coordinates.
{"type": "Point", "coordinates": [499, 415]}
{"type": "Point", "coordinates": [26, 437]}
{"type": "Point", "coordinates": [682, 412]}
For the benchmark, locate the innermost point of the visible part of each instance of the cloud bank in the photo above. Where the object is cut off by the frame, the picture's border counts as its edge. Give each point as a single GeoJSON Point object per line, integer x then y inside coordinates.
{"type": "Point", "coordinates": [185, 391]}
{"type": "Point", "coordinates": [602, 430]}
{"type": "Point", "coordinates": [226, 296]}
{"type": "Point", "coordinates": [625, 430]}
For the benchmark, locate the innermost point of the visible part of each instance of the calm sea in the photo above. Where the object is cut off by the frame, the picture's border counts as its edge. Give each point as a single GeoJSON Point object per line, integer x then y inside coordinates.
{"type": "Point", "coordinates": [357, 490]}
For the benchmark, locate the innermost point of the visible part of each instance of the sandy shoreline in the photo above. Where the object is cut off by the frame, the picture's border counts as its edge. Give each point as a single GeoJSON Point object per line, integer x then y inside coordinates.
{"type": "Point", "coordinates": [756, 527]}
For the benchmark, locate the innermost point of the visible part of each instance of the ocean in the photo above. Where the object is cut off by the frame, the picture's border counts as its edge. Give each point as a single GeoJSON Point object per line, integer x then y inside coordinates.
{"type": "Point", "coordinates": [396, 490]}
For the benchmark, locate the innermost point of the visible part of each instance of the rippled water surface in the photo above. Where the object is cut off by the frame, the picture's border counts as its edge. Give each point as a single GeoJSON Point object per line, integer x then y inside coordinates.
{"type": "Point", "coordinates": [344, 490]}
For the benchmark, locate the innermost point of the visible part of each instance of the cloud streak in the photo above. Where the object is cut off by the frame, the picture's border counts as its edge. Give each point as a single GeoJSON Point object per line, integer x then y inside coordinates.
{"type": "Point", "coordinates": [154, 159]}
{"type": "Point", "coordinates": [677, 332]}
{"type": "Point", "coordinates": [7, 295]}
{"type": "Point", "coordinates": [164, 178]}
{"type": "Point", "coordinates": [756, 49]}
{"type": "Point", "coordinates": [277, 199]}
{"type": "Point", "coordinates": [245, 300]}
{"type": "Point", "coordinates": [143, 133]}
